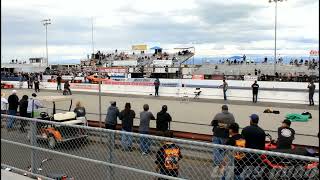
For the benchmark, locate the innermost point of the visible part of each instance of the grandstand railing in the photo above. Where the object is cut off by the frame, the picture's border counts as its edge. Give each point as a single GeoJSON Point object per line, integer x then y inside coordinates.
{"type": "Point", "coordinates": [109, 154]}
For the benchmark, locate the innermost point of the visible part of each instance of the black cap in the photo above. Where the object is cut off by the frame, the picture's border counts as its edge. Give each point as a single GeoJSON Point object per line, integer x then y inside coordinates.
{"type": "Point", "coordinates": [34, 95]}
{"type": "Point", "coordinates": [287, 122]}
{"type": "Point", "coordinates": [254, 118]}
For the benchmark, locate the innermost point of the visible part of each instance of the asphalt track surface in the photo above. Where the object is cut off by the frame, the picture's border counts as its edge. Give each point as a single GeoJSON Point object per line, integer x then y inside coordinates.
{"type": "Point", "coordinates": [200, 112]}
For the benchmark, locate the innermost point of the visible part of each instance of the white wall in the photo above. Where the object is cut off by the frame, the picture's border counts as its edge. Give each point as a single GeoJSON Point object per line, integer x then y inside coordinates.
{"type": "Point", "coordinates": [279, 95]}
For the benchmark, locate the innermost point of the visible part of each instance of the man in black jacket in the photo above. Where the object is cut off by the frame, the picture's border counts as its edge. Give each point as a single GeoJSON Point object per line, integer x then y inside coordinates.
{"type": "Point", "coordinates": [23, 106]}
{"type": "Point", "coordinates": [253, 134]}
{"type": "Point", "coordinates": [163, 119]}
{"type": "Point", "coordinates": [255, 89]}
{"type": "Point", "coordinates": [13, 101]}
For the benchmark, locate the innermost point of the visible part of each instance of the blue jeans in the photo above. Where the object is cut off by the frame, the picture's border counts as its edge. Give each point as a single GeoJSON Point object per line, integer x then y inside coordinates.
{"type": "Point", "coordinates": [126, 141]}
{"type": "Point", "coordinates": [11, 119]}
{"type": "Point", "coordinates": [144, 143]}
{"type": "Point", "coordinates": [218, 153]}
{"type": "Point", "coordinates": [58, 86]}
{"type": "Point", "coordinates": [224, 95]}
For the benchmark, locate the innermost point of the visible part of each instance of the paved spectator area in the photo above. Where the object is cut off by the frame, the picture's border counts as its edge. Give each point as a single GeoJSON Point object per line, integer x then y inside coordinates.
{"type": "Point", "coordinates": [196, 111]}
{"type": "Point", "coordinates": [7, 175]}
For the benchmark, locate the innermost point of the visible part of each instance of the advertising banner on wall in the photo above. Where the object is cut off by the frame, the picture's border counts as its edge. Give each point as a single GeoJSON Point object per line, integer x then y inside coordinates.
{"type": "Point", "coordinates": [162, 62]}
{"type": "Point", "coordinates": [198, 76]}
{"type": "Point", "coordinates": [125, 63]}
{"type": "Point", "coordinates": [112, 70]}
{"type": "Point", "coordinates": [140, 47]}
{"type": "Point", "coordinates": [217, 77]}
{"type": "Point", "coordinates": [250, 78]}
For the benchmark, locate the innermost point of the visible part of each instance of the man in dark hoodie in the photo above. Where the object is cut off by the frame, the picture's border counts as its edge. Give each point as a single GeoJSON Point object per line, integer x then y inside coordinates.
{"type": "Point", "coordinates": [126, 116]}
{"type": "Point", "coordinates": [13, 100]}
{"type": "Point", "coordinates": [23, 106]}
{"type": "Point", "coordinates": [112, 115]}
{"type": "Point", "coordinates": [163, 119]}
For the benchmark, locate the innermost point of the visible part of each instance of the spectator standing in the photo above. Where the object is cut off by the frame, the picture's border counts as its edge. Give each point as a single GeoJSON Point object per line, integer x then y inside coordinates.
{"type": "Point", "coordinates": [33, 105]}
{"type": "Point", "coordinates": [255, 89]}
{"type": "Point", "coordinates": [167, 157]}
{"type": "Point", "coordinates": [13, 101]}
{"type": "Point", "coordinates": [59, 82]}
{"type": "Point", "coordinates": [126, 116]}
{"type": "Point", "coordinates": [4, 104]}
{"type": "Point", "coordinates": [145, 117]}
{"type": "Point", "coordinates": [112, 115]}
{"type": "Point", "coordinates": [23, 106]}
{"type": "Point", "coordinates": [29, 81]}
{"type": "Point", "coordinates": [224, 87]}
{"type": "Point", "coordinates": [36, 85]}
{"type": "Point", "coordinates": [254, 135]}
{"type": "Point", "coordinates": [220, 124]}
{"type": "Point", "coordinates": [156, 86]}
{"type": "Point", "coordinates": [163, 119]}
{"type": "Point", "coordinates": [285, 135]}
{"type": "Point", "coordinates": [311, 88]}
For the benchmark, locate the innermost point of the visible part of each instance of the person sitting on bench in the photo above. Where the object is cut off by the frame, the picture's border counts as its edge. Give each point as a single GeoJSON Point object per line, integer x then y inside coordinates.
{"type": "Point", "coordinates": [197, 93]}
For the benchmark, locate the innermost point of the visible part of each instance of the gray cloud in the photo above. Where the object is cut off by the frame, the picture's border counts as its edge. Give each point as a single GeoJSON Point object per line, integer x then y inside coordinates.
{"type": "Point", "coordinates": [217, 23]}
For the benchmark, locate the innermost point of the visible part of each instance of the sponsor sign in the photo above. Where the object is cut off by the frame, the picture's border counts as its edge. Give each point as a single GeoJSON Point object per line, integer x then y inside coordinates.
{"type": "Point", "coordinates": [140, 47]}
{"type": "Point", "coordinates": [250, 78]}
{"type": "Point", "coordinates": [67, 77]}
{"type": "Point", "coordinates": [112, 70]}
{"type": "Point", "coordinates": [162, 62]}
{"type": "Point", "coordinates": [217, 77]}
{"type": "Point", "coordinates": [84, 86]}
{"type": "Point", "coordinates": [198, 76]}
{"type": "Point", "coordinates": [125, 63]}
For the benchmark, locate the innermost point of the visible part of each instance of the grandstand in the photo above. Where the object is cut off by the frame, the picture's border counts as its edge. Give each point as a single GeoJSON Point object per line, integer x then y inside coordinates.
{"type": "Point", "coordinates": [244, 69]}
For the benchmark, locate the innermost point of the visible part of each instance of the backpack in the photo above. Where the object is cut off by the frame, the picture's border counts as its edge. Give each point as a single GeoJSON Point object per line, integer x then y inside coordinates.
{"type": "Point", "coordinates": [240, 143]}
{"type": "Point", "coordinates": [171, 158]}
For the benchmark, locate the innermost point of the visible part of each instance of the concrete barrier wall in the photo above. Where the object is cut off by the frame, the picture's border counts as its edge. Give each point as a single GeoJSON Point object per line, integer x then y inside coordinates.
{"type": "Point", "coordinates": [284, 92]}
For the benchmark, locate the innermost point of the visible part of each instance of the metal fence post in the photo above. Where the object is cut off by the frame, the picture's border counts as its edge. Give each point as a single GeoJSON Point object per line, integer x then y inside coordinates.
{"type": "Point", "coordinates": [33, 140]}
{"type": "Point", "coordinates": [112, 143]}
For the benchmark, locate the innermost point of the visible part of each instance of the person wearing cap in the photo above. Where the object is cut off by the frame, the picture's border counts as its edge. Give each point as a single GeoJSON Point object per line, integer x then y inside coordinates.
{"type": "Point", "coordinates": [13, 101]}
{"type": "Point", "coordinates": [4, 104]}
{"type": "Point", "coordinates": [112, 115]}
{"type": "Point", "coordinates": [285, 135]}
{"type": "Point", "coordinates": [33, 105]}
{"type": "Point", "coordinates": [254, 135]}
{"type": "Point", "coordinates": [163, 119]}
{"type": "Point", "coordinates": [220, 124]}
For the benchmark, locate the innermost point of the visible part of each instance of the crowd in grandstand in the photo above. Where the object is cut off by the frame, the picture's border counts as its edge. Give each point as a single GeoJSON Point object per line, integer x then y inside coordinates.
{"type": "Point", "coordinates": [311, 64]}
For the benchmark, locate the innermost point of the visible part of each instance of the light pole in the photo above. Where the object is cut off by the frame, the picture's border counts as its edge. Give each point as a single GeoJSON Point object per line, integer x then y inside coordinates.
{"type": "Point", "coordinates": [275, 32]}
{"type": "Point", "coordinates": [46, 22]}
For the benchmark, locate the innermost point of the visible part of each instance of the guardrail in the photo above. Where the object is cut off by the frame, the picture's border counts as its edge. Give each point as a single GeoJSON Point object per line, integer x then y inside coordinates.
{"type": "Point", "coordinates": [85, 152]}
{"type": "Point", "coordinates": [192, 123]}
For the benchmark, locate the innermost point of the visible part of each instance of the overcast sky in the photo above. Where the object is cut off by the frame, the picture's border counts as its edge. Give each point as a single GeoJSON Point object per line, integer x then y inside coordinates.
{"type": "Point", "coordinates": [214, 27]}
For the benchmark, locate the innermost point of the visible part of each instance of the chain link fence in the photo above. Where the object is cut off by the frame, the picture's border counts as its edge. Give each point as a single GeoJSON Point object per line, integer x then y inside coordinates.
{"type": "Point", "coordinates": [69, 148]}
